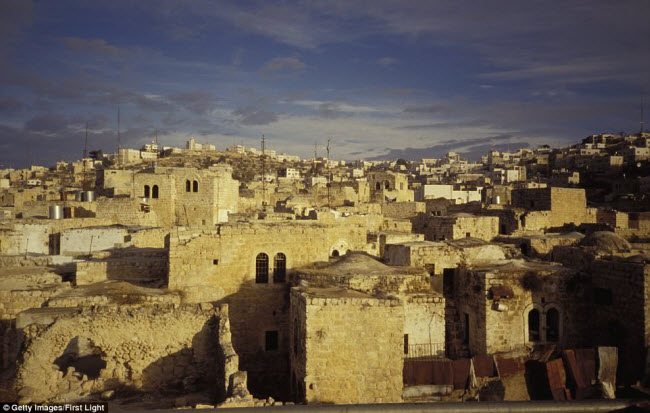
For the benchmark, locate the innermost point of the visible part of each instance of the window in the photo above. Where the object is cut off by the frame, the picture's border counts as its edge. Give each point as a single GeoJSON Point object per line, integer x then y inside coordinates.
{"type": "Point", "coordinates": [154, 191]}
{"type": "Point", "coordinates": [406, 343]}
{"type": "Point", "coordinates": [468, 235]}
{"type": "Point", "coordinates": [187, 186]}
{"type": "Point", "coordinates": [553, 325]}
{"type": "Point", "coordinates": [378, 186]}
{"type": "Point", "coordinates": [279, 268]}
{"type": "Point", "coordinates": [533, 325]}
{"type": "Point", "coordinates": [603, 296]}
{"type": "Point", "coordinates": [146, 191]}
{"type": "Point", "coordinates": [335, 253]}
{"type": "Point", "coordinates": [215, 262]}
{"type": "Point", "coordinates": [271, 340]}
{"type": "Point", "coordinates": [386, 185]}
{"type": "Point", "coordinates": [448, 282]}
{"type": "Point", "coordinates": [262, 268]}
{"type": "Point", "coordinates": [195, 186]}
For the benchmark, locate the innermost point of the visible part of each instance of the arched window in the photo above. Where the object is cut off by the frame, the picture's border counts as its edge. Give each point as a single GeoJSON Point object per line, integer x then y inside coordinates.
{"type": "Point", "coordinates": [553, 325]}
{"type": "Point", "coordinates": [378, 186]}
{"type": "Point", "coordinates": [335, 253]}
{"type": "Point", "coordinates": [154, 191]}
{"type": "Point", "coordinates": [146, 191]}
{"type": "Point", "coordinates": [533, 325]}
{"type": "Point", "coordinates": [279, 268]}
{"type": "Point", "coordinates": [386, 185]}
{"type": "Point", "coordinates": [188, 186]}
{"type": "Point", "coordinates": [195, 186]}
{"type": "Point", "coordinates": [261, 268]}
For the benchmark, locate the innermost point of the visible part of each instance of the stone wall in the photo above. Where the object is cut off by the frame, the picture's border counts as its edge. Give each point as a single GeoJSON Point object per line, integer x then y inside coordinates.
{"type": "Point", "coordinates": [82, 241]}
{"type": "Point", "coordinates": [437, 228]}
{"type": "Point", "coordinates": [150, 348]}
{"type": "Point", "coordinates": [402, 210]}
{"type": "Point", "coordinates": [143, 266]}
{"type": "Point", "coordinates": [349, 349]}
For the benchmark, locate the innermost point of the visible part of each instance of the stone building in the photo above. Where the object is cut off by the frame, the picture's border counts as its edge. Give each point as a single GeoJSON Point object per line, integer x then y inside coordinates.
{"type": "Point", "coordinates": [455, 226]}
{"type": "Point", "coordinates": [552, 207]}
{"type": "Point", "coordinates": [351, 324]}
{"type": "Point", "coordinates": [176, 196]}
{"type": "Point", "coordinates": [246, 265]}
{"type": "Point", "coordinates": [389, 187]}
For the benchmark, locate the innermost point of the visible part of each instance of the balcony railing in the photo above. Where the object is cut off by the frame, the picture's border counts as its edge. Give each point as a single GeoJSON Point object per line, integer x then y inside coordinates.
{"type": "Point", "coordinates": [424, 351]}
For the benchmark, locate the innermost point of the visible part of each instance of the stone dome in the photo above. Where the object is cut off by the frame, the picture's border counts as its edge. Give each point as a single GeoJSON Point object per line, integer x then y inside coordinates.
{"type": "Point", "coordinates": [606, 241]}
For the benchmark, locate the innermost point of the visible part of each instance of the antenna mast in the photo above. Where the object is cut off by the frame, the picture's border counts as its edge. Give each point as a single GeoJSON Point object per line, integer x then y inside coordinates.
{"type": "Point", "coordinates": [263, 172]}
{"type": "Point", "coordinates": [641, 131]}
{"type": "Point", "coordinates": [329, 175]}
{"type": "Point", "coordinates": [119, 141]}
{"type": "Point", "coordinates": [83, 160]}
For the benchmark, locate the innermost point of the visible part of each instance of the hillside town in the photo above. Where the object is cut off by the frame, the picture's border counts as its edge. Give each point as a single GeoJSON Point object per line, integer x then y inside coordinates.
{"type": "Point", "coordinates": [234, 276]}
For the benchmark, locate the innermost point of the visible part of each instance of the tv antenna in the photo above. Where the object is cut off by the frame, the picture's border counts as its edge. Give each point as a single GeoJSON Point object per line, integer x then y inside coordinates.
{"type": "Point", "coordinates": [263, 171]}
{"type": "Point", "coordinates": [329, 178]}
{"type": "Point", "coordinates": [83, 160]}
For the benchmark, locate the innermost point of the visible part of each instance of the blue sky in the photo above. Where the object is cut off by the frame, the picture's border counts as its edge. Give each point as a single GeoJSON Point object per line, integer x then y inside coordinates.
{"type": "Point", "coordinates": [375, 76]}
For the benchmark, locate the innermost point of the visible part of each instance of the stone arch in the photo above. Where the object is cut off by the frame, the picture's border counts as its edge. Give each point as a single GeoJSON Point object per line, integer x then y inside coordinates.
{"type": "Point", "coordinates": [553, 323]}
{"type": "Point", "coordinates": [340, 246]}
{"type": "Point", "coordinates": [532, 321]}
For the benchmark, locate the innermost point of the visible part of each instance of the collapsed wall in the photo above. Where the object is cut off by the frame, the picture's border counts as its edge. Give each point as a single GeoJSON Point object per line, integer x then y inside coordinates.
{"type": "Point", "coordinates": [70, 354]}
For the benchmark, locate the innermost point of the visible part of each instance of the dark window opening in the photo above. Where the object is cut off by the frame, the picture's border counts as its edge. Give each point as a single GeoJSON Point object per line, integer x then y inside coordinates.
{"type": "Point", "coordinates": [146, 191]}
{"type": "Point", "coordinates": [279, 268]}
{"type": "Point", "coordinates": [335, 253]}
{"type": "Point", "coordinates": [195, 186]}
{"type": "Point", "coordinates": [533, 325]}
{"type": "Point", "coordinates": [154, 191]}
{"type": "Point", "coordinates": [503, 229]}
{"type": "Point", "coordinates": [271, 340]}
{"type": "Point", "coordinates": [448, 282]}
{"type": "Point", "coordinates": [215, 262]}
{"type": "Point", "coordinates": [603, 296]}
{"type": "Point", "coordinates": [262, 268]}
{"type": "Point", "coordinates": [378, 186]}
{"type": "Point", "coordinates": [468, 235]}
{"type": "Point", "coordinates": [406, 343]}
{"type": "Point", "coordinates": [552, 325]}
{"type": "Point", "coordinates": [187, 186]}
{"type": "Point", "coordinates": [386, 185]}
{"type": "Point", "coordinates": [82, 355]}
{"type": "Point", "coordinates": [524, 249]}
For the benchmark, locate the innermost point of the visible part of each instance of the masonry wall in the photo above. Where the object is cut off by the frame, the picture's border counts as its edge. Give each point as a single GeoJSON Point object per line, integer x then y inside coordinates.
{"type": "Point", "coordinates": [353, 350]}
{"type": "Point", "coordinates": [81, 241]}
{"type": "Point", "coordinates": [402, 210]}
{"type": "Point", "coordinates": [142, 267]}
{"type": "Point", "coordinates": [446, 228]}
{"type": "Point", "coordinates": [424, 320]}
{"type": "Point", "coordinates": [148, 348]}
{"type": "Point", "coordinates": [623, 321]}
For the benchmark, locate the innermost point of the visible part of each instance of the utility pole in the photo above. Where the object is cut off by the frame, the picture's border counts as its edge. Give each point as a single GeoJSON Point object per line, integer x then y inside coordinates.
{"type": "Point", "coordinates": [329, 177]}
{"type": "Point", "coordinates": [263, 172]}
{"type": "Point", "coordinates": [315, 154]}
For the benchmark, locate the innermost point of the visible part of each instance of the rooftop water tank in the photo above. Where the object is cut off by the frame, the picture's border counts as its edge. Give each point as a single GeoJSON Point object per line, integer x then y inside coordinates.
{"type": "Point", "coordinates": [56, 211]}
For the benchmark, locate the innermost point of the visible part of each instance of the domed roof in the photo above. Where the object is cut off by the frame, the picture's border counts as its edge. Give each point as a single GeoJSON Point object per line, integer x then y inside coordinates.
{"type": "Point", "coordinates": [461, 215]}
{"type": "Point", "coordinates": [606, 241]}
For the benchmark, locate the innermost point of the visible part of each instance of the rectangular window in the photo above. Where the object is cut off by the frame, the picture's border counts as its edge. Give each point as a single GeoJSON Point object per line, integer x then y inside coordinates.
{"type": "Point", "coordinates": [448, 282]}
{"type": "Point", "coordinates": [271, 340]}
{"type": "Point", "coordinates": [406, 343]}
{"type": "Point", "coordinates": [215, 262]}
